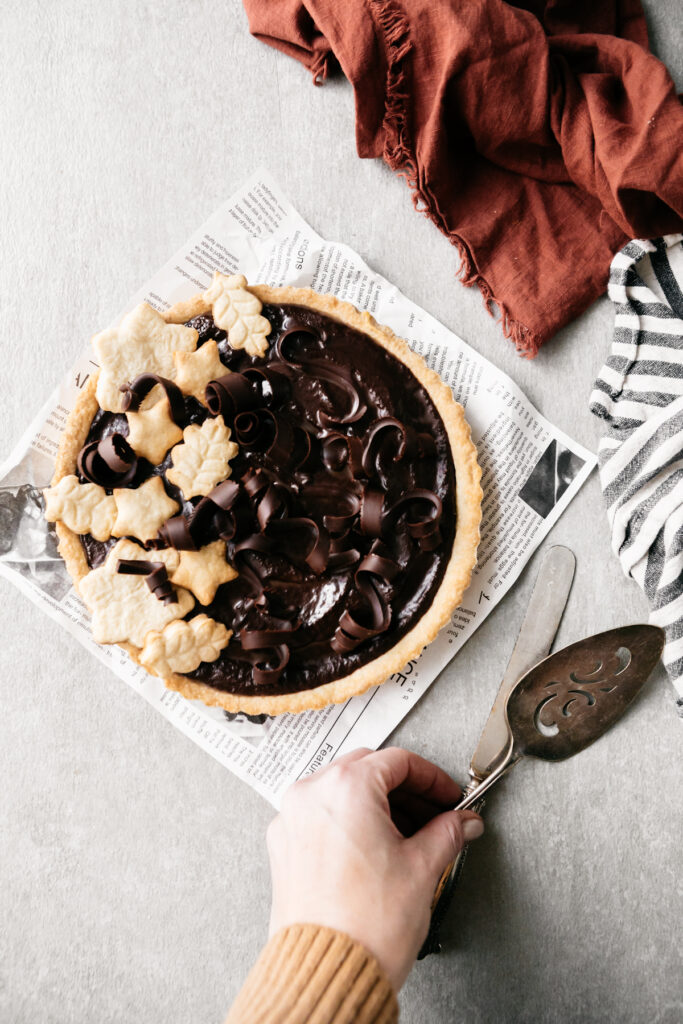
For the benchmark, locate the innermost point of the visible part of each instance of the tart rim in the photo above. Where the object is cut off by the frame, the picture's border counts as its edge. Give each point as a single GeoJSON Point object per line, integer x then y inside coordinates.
{"type": "Point", "coordinates": [468, 498]}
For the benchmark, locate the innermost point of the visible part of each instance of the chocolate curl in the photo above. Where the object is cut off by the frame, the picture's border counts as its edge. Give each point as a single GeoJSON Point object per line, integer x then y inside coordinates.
{"type": "Point", "coordinates": [424, 528]}
{"type": "Point", "coordinates": [377, 567]}
{"type": "Point", "coordinates": [174, 533]}
{"type": "Point", "coordinates": [271, 381]}
{"type": "Point", "coordinates": [230, 395]}
{"type": "Point", "coordinates": [372, 511]}
{"type": "Point", "coordinates": [342, 556]}
{"type": "Point", "coordinates": [221, 510]}
{"type": "Point", "coordinates": [249, 569]}
{"type": "Point", "coordinates": [342, 378]}
{"type": "Point", "coordinates": [157, 577]}
{"type": "Point", "coordinates": [263, 430]}
{"type": "Point", "coordinates": [273, 505]}
{"type": "Point", "coordinates": [385, 441]}
{"type": "Point", "coordinates": [340, 522]}
{"type": "Point", "coordinates": [272, 495]}
{"type": "Point", "coordinates": [261, 673]}
{"type": "Point", "coordinates": [339, 451]}
{"type": "Point", "coordinates": [339, 376]}
{"type": "Point", "coordinates": [293, 328]}
{"type": "Point", "coordinates": [303, 448]}
{"type": "Point", "coordinates": [136, 390]}
{"type": "Point", "coordinates": [259, 647]}
{"type": "Point", "coordinates": [109, 463]}
{"type": "Point", "coordinates": [316, 541]}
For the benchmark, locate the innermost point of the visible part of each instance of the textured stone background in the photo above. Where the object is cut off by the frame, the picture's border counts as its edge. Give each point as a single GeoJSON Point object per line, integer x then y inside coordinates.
{"type": "Point", "coordinates": [134, 882]}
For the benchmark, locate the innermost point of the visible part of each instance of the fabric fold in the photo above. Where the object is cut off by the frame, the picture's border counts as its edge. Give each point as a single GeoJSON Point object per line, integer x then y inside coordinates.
{"type": "Point", "coordinates": [538, 137]}
{"type": "Point", "coordinates": [639, 397]}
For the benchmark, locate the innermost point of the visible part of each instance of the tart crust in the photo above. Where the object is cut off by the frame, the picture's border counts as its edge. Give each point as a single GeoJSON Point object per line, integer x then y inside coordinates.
{"type": "Point", "coordinates": [468, 499]}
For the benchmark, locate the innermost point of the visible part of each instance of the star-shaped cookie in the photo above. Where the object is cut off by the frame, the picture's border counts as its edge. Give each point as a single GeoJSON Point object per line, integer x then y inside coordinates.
{"type": "Point", "coordinates": [142, 342]}
{"type": "Point", "coordinates": [123, 607]}
{"type": "Point", "coordinates": [151, 432]}
{"type": "Point", "coordinates": [194, 370]}
{"type": "Point", "coordinates": [203, 571]}
{"type": "Point", "coordinates": [140, 511]}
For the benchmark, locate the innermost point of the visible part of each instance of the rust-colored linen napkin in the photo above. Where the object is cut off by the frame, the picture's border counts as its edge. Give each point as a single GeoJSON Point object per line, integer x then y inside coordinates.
{"type": "Point", "coordinates": [538, 136]}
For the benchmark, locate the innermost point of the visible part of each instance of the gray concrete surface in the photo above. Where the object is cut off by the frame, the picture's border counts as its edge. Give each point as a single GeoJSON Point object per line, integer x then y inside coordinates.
{"type": "Point", "coordinates": [133, 882]}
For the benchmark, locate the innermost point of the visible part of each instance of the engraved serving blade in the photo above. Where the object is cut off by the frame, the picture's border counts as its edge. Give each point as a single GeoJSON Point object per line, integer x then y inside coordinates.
{"type": "Point", "coordinates": [538, 630]}
{"type": "Point", "coordinates": [572, 698]}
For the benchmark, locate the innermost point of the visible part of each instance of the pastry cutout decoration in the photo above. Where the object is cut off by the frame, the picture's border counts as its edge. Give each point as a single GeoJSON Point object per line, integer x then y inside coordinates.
{"type": "Point", "coordinates": [141, 343]}
{"type": "Point", "coordinates": [142, 510]}
{"type": "Point", "coordinates": [183, 646]}
{"type": "Point", "coordinates": [84, 508]}
{"type": "Point", "coordinates": [238, 311]}
{"type": "Point", "coordinates": [203, 458]}
{"type": "Point", "coordinates": [123, 607]}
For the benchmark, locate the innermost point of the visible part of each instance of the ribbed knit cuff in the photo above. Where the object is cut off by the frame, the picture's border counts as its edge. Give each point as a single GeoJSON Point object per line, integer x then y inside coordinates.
{"type": "Point", "coordinates": [308, 974]}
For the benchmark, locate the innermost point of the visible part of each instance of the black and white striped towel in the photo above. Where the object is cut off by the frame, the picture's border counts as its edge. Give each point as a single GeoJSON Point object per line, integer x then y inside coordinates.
{"type": "Point", "coordinates": [639, 395]}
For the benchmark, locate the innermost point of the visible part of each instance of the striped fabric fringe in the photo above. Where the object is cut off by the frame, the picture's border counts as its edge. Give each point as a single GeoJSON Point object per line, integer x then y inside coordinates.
{"type": "Point", "coordinates": [639, 395]}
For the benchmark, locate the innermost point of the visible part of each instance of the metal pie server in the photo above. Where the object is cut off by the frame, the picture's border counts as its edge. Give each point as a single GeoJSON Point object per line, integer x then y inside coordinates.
{"type": "Point", "coordinates": [543, 615]}
{"type": "Point", "coordinates": [573, 697]}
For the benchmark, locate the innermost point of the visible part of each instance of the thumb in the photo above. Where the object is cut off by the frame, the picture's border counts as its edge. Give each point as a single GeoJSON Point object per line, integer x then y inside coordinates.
{"type": "Point", "coordinates": [441, 839]}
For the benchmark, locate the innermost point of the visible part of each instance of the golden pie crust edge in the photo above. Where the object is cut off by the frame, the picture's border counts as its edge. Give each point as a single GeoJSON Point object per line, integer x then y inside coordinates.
{"type": "Point", "coordinates": [468, 500]}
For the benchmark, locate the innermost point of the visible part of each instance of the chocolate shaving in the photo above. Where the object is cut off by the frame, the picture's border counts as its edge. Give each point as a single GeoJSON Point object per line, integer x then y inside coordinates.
{"type": "Point", "coordinates": [424, 528]}
{"type": "Point", "coordinates": [231, 395]}
{"type": "Point", "coordinates": [316, 541]}
{"type": "Point", "coordinates": [109, 463]}
{"type": "Point", "coordinates": [261, 646]}
{"type": "Point", "coordinates": [135, 391]}
{"type": "Point", "coordinates": [377, 567]}
{"type": "Point", "coordinates": [372, 511]}
{"type": "Point", "coordinates": [222, 511]}
{"type": "Point", "coordinates": [174, 533]}
{"type": "Point", "coordinates": [339, 451]}
{"type": "Point", "coordinates": [341, 522]}
{"type": "Point", "coordinates": [157, 577]}
{"type": "Point", "coordinates": [386, 441]}
{"type": "Point", "coordinates": [340, 377]}
{"type": "Point", "coordinates": [263, 673]}
{"type": "Point", "coordinates": [267, 431]}
{"type": "Point", "coordinates": [272, 382]}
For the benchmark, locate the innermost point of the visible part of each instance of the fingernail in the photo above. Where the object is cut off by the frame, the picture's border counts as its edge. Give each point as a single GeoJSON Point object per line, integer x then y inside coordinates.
{"type": "Point", "coordinates": [472, 829]}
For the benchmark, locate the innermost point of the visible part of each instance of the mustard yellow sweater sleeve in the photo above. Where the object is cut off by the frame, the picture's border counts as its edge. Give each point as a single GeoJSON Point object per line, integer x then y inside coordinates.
{"type": "Point", "coordinates": [308, 974]}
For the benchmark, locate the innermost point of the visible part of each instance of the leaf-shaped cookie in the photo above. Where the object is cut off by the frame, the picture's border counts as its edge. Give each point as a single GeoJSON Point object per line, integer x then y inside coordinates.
{"type": "Point", "coordinates": [183, 646]}
{"type": "Point", "coordinates": [123, 607]}
{"type": "Point", "coordinates": [238, 311]}
{"type": "Point", "coordinates": [202, 460]}
{"type": "Point", "coordinates": [84, 508]}
{"type": "Point", "coordinates": [142, 342]}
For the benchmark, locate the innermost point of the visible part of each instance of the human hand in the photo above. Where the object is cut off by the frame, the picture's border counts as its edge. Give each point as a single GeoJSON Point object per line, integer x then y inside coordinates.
{"type": "Point", "coordinates": [360, 847]}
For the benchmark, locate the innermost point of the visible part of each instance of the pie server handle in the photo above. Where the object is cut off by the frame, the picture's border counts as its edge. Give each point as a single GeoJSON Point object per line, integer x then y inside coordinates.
{"type": "Point", "coordinates": [443, 897]}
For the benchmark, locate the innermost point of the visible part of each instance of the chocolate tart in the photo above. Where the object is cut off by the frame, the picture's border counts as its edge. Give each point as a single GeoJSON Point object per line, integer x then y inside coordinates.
{"type": "Point", "coordinates": [355, 527]}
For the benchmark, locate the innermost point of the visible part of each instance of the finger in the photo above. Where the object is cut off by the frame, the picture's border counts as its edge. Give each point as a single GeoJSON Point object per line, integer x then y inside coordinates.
{"type": "Point", "coordinates": [394, 767]}
{"type": "Point", "coordinates": [442, 838]}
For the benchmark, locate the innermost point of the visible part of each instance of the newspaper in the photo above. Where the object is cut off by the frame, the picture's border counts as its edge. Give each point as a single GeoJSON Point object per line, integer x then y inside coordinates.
{"type": "Point", "coordinates": [531, 471]}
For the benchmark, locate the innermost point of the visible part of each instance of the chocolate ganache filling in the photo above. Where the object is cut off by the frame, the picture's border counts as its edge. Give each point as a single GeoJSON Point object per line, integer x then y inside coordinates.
{"type": "Point", "coordinates": [339, 513]}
